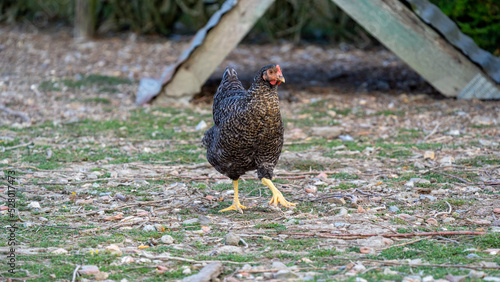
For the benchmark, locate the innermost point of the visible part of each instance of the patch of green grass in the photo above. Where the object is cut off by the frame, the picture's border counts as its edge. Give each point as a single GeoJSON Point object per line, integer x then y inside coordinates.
{"type": "Point", "coordinates": [480, 161]}
{"type": "Point", "coordinates": [324, 252]}
{"type": "Point", "coordinates": [275, 226]}
{"type": "Point", "coordinates": [343, 175]}
{"type": "Point", "coordinates": [97, 100]}
{"type": "Point", "coordinates": [306, 165]}
{"type": "Point", "coordinates": [345, 186]}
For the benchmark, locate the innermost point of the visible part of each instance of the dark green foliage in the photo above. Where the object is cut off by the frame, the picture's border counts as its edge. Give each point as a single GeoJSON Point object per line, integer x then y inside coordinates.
{"type": "Point", "coordinates": [478, 19]}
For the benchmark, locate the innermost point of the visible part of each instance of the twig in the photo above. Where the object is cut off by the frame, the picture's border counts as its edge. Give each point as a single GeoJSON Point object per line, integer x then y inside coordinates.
{"type": "Point", "coordinates": [74, 273]}
{"type": "Point", "coordinates": [119, 207]}
{"type": "Point", "coordinates": [432, 132]}
{"type": "Point", "coordinates": [448, 212]}
{"type": "Point", "coordinates": [167, 258]}
{"type": "Point", "coordinates": [453, 176]}
{"type": "Point", "coordinates": [366, 194]}
{"type": "Point", "coordinates": [360, 235]}
{"type": "Point", "coordinates": [406, 243]}
{"type": "Point", "coordinates": [18, 146]}
{"type": "Point", "coordinates": [19, 114]}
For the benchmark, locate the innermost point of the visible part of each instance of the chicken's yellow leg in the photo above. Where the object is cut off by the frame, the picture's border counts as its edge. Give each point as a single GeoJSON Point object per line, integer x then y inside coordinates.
{"type": "Point", "coordinates": [236, 206]}
{"type": "Point", "coordinates": [277, 196]}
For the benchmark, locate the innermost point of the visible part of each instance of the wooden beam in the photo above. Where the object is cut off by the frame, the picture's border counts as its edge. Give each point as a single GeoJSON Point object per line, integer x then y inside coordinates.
{"type": "Point", "coordinates": [417, 44]}
{"type": "Point", "coordinates": [218, 42]}
{"type": "Point", "coordinates": [85, 19]}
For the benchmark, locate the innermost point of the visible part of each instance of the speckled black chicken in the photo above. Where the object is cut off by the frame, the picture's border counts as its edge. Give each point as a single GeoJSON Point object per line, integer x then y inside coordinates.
{"type": "Point", "coordinates": [248, 130]}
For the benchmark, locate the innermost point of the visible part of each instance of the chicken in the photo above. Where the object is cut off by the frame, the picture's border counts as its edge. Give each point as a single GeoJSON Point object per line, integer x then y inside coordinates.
{"type": "Point", "coordinates": [248, 130]}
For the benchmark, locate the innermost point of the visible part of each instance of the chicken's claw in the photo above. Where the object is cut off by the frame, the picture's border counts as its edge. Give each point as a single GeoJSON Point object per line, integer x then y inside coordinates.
{"type": "Point", "coordinates": [277, 195]}
{"type": "Point", "coordinates": [235, 207]}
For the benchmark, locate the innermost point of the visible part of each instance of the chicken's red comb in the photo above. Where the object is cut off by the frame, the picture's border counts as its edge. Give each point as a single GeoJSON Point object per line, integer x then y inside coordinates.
{"type": "Point", "coordinates": [279, 69]}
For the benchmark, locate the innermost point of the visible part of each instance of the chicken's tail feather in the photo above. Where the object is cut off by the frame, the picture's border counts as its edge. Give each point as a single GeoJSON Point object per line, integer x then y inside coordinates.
{"type": "Point", "coordinates": [230, 81]}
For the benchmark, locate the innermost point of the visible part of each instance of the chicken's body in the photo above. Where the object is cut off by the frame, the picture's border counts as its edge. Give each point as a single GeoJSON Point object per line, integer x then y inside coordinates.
{"type": "Point", "coordinates": [248, 130]}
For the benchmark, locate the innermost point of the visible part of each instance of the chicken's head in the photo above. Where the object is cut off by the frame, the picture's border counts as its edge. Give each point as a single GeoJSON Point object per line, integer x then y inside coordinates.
{"type": "Point", "coordinates": [273, 75]}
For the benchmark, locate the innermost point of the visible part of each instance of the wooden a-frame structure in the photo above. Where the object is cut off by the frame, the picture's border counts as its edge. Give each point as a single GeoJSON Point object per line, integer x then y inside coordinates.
{"type": "Point", "coordinates": [426, 40]}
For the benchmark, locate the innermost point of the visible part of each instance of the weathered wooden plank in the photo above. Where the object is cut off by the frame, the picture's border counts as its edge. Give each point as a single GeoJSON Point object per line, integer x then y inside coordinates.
{"type": "Point", "coordinates": [422, 48]}
{"type": "Point", "coordinates": [217, 44]}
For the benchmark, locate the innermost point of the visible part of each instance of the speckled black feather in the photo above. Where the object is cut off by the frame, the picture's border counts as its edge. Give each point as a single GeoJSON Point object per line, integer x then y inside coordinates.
{"type": "Point", "coordinates": [248, 130]}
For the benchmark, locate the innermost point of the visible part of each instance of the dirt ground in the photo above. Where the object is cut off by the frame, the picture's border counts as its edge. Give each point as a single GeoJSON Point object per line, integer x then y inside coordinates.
{"type": "Point", "coordinates": [371, 151]}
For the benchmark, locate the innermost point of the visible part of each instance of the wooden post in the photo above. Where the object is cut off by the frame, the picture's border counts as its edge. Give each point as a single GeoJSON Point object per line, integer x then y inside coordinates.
{"type": "Point", "coordinates": [422, 48]}
{"type": "Point", "coordinates": [218, 43]}
{"type": "Point", "coordinates": [85, 18]}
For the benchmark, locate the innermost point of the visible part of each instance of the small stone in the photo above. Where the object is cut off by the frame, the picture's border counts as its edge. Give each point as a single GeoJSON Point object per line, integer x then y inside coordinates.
{"type": "Point", "coordinates": [412, 278]}
{"type": "Point", "coordinates": [43, 219]}
{"type": "Point", "coordinates": [148, 228]}
{"type": "Point", "coordinates": [476, 274]}
{"type": "Point", "coordinates": [159, 228]}
{"type": "Point", "coordinates": [343, 212]}
{"type": "Point", "coordinates": [311, 189]}
{"type": "Point", "coordinates": [337, 200]}
{"type": "Point", "coordinates": [278, 265]}
{"type": "Point", "coordinates": [267, 238]}
{"type": "Point", "coordinates": [167, 239]}
{"type": "Point", "coordinates": [114, 250]}
{"type": "Point", "coordinates": [53, 276]}
{"type": "Point", "coordinates": [454, 132]}
{"type": "Point", "coordinates": [432, 221]}
{"type": "Point", "coordinates": [227, 250]}
{"type": "Point", "coordinates": [190, 221]}
{"type": "Point", "coordinates": [201, 125]}
{"type": "Point", "coordinates": [285, 274]}
{"type": "Point", "coordinates": [59, 251]}
{"type": "Point", "coordinates": [34, 205]}
{"type": "Point", "coordinates": [482, 120]}
{"type": "Point", "coordinates": [447, 220]}
{"type": "Point", "coordinates": [358, 268]}
{"type": "Point", "coordinates": [496, 210]}
{"type": "Point", "coordinates": [88, 270]}
{"type": "Point", "coordinates": [388, 271]}
{"type": "Point", "coordinates": [428, 198]}
{"type": "Point", "coordinates": [341, 225]}
{"type": "Point", "coordinates": [327, 132]}
{"type": "Point", "coordinates": [120, 197]}
{"type": "Point", "coordinates": [429, 155]}
{"type": "Point", "coordinates": [428, 278]}
{"type": "Point", "coordinates": [413, 181]}
{"type": "Point", "coordinates": [359, 279]}
{"type": "Point", "coordinates": [101, 276]}
{"type": "Point", "coordinates": [418, 165]}
{"type": "Point", "coordinates": [491, 278]}
{"type": "Point", "coordinates": [346, 138]}
{"type": "Point", "coordinates": [203, 220]}
{"type": "Point", "coordinates": [127, 260]}
{"type": "Point", "coordinates": [186, 271]}
{"type": "Point", "coordinates": [447, 161]}
{"type": "Point", "coordinates": [232, 239]}
{"type": "Point", "coordinates": [393, 209]}
{"type": "Point", "coordinates": [453, 278]}
{"type": "Point", "coordinates": [472, 256]}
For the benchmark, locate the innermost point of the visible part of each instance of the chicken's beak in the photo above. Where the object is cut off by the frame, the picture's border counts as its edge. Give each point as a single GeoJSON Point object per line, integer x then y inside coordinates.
{"type": "Point", "coordinates": [281, 78]}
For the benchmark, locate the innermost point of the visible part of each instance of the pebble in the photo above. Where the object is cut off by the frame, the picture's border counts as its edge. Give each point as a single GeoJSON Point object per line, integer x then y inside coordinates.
{"type": "Point", "coordinates": [343, 212]}
{"type": "Point", "coordinates": [472, 256]}
{"type": "Point", "coordinates": [412, 181]}
{"type": "Point", "coordinates": [476, 274]}
{"type": "Point", "coordinates": [104, 194]}
{"type": "Point", "coordinates": [232, 239]}
{"type": "Point", "coordinates": [120, 197]}
{"type": "Point", "coordinates": [59, 251]}
{"type": "Point", "coordinates": [454, 132]}
{"type": "Point", "coordinates": [34, 205]}
{"type": "Point", "coordinates": [167, 239]}
{"type": "Point", "coordinates": [278, 265]}
{"type": "Point", "coordinates": [114, 250]}
{"type": "Point", "coordinates": [428, 278]}
{"type": "Point", "coordinates": [44, 219]}
{"type": "Point", "coordinates": [448, 220]}
{"type": "Point", "coordinates": [127, 259]}
{"type": "Point", "coordinates": [203, 220]}
{"type": "Point", "coordinates": [393, 209]}
{"type": "Point", "coordinates": [429, 155]}
{"type": "Point", "coordinates": [412, 278]}
{"type": "Point", "coordinates": [88, 270]}
{"type": "Point", "coordinates": [285, 274]}
{"type": "Point", "coordinates": [346, 138]}
{"type": "Point", "coordinates": [359, 279]}
{"type": "Point", "coordinates": [327, 132]}
{"type": "Point", "coordinates": [491, 278]}
{"type": "Point", "coordinates": [447, 161]}
{"type": "Point", "coordinates": [341, 225]}
{"type": "Point", "coordinates": [190, 221]}
{"type": "Point", "coordinates": [227, 250]}
{"type": "Point", "coordinates": [428, 198]}
{"type": "Point", "coordinates": [186, 270]}
{"type": "Point", "coordinates": [148, 228]}
{"type": "Point", "coordinates": [201, 125]}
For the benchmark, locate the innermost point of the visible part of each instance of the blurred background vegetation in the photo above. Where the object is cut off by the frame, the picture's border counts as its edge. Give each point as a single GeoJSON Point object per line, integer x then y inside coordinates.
{"type": "Point", "coordinates": [296, 20]}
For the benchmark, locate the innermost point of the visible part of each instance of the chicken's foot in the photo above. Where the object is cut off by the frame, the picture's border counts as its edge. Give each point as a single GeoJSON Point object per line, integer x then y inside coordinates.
{"type": "Point", "coordinates": [277, 196]}
{"type": "Point", "coordinates": [236, 206]}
